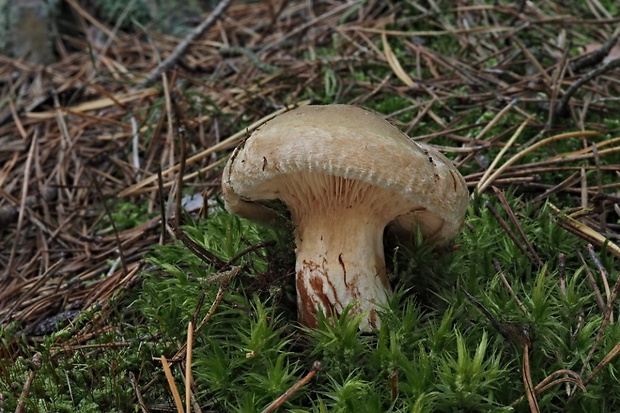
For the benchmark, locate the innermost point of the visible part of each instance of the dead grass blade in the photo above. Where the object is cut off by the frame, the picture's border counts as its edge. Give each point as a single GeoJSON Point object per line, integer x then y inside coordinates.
{"type": "Point", "coordinates": [483, 185]}
{"type": "Point", "coordinates": [530, 392]}
{"type": "Point", "coordinates": [485, 181]}
{"type": "Point", "coordinates": [277, 403]}
{"type": "Point", "coordinates": [101, 103]}
{"type": "Point", "coordinates": [188, 367]}
{"type": "Point", "coordinates": [394, 63]}
{"type": "Point", "coordinates": [37, 360]}
{"type": "Point", "coordinates": [228, 143]}
{"type": "Point", "coordinates": [172, 385]}
{"type": "Point", "coordinates": [584, 231]}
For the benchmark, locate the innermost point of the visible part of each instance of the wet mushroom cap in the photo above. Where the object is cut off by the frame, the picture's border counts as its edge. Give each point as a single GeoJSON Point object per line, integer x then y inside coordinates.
{"type": "Point", "coordinates": [323, 155]}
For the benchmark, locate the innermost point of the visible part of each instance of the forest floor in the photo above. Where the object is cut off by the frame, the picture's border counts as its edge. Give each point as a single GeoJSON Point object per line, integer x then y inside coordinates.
{"type": "Point", "coordinates": [98, 150]}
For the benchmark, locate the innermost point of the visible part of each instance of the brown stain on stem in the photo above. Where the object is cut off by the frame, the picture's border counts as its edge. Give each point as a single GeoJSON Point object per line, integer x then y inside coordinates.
{"type": "Point", "coordinates": [344, 270]}
{"type": "Point", "coordinates": [308, 301]}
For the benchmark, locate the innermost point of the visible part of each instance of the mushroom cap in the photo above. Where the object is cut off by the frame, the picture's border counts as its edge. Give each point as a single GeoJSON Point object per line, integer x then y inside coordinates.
{"type": "Point", "coordinates": [352, 143]}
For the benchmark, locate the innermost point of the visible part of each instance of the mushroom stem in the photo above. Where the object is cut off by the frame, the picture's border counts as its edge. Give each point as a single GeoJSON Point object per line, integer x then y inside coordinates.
{"type": "Point", "coordinates": [344, 173]}
{"type": "Point", "coordinates": [340, 261]}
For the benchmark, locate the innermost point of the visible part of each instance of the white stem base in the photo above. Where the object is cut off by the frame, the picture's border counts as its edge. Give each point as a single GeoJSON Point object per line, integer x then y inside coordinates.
{"type": "Point", "coordinates": [340, 261]}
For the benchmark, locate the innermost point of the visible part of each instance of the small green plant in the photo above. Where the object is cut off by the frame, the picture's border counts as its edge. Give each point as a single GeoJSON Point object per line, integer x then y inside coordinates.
{"type": "Point", "coordinates": [124, 215]}
{"type": "Point", "coordinates": [430, 354]}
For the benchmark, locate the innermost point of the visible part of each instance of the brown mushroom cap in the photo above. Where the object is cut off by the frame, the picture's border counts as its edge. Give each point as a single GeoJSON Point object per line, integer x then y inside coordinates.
{"type": "Point", "coordinates": [353, 143]}
{"type": "Point", "coordinates": [345, 174]}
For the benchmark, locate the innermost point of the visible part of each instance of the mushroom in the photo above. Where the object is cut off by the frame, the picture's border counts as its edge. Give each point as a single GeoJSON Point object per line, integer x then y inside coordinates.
{"type": "Point", "coordinates": [345, 174]}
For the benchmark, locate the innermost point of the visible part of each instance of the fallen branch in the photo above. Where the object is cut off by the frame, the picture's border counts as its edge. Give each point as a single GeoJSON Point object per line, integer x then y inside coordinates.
{"type": "Point", "coordinates": [562, 106]}
{"type": "Point", "coordinates": [596, 57]}
{"type": "Point", "coordinates": [182, 47]}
